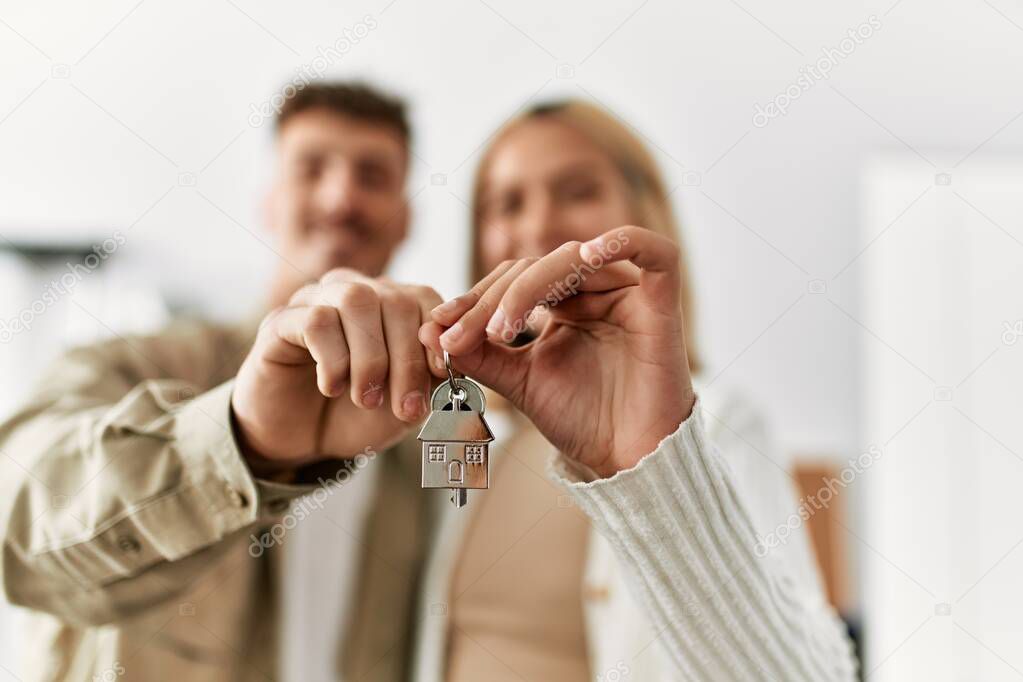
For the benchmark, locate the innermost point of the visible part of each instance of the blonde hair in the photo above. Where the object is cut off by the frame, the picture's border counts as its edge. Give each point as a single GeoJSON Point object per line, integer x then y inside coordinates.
{"type": "Point", "coordinates": [648, 196]}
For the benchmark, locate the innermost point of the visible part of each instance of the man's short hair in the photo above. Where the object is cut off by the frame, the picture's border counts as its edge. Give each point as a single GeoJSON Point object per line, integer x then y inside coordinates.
{"type": "Point", "coordinates": [356, 100]}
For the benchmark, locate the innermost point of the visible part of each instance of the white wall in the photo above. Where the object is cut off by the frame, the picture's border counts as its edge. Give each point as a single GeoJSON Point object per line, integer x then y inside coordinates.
{"type": "Point", "coordinates": [152, 80]}
{"type": "Point", "coordinates": [942, 402]}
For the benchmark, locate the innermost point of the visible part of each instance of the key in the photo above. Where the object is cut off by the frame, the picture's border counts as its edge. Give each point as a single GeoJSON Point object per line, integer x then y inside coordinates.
{"type": "Point", "coordinates": [456, 438]}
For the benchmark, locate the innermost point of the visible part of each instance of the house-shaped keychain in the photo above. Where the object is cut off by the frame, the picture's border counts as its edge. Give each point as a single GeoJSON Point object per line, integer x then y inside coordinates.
{"type": "Point", "coordinates": [456, 441]}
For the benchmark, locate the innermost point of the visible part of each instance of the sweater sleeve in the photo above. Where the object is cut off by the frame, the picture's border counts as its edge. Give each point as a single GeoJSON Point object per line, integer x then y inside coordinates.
{"type": "Point", "coordinates": [724, 607]}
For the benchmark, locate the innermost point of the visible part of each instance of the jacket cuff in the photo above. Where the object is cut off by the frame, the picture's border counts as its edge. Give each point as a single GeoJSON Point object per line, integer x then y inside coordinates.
{"type": "Point", "coordinates": [207, 444]}
{"type": "Point", "coordinates": [212, 495]}
{"type": "Point", "coordinates": [206, 494]}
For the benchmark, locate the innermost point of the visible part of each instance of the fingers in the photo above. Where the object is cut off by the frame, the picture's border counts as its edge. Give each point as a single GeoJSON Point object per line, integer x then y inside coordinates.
{"type": "Point", "coordinates": [429, 336]}
{"type": "Point", "coordinates": [496, 366]}
{"type": "Point", "coordinates": [380, 321]}
{"type": "Point", "coordinates": [409, 376]}
{"type": "Point", "coordinates": [467, 332]}
{"type": "Point", "coordinates": [617, 259]}
{"type": "Point", "coordinates": [657, 256]}
{"type": "Point", "coordinates": [449, 312]}
{"type": "Point", "coordinates": [428, 300]}
{"type": "Point", "coordinates": [317, 330]}
{"type": "Point", "coordinates": [361, 321]}
{"type": "Point", "coordinates": [504, 308]}
{"type": "Point", "coordinates": [589, 306]}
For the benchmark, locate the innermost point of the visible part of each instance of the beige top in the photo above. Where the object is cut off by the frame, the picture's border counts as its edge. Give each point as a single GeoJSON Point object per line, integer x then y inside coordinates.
{"type": "Point", "coordinates": [516, 608]}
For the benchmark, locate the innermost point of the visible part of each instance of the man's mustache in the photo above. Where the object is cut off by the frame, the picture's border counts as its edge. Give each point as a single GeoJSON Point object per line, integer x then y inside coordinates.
{"type": "Point", "coordinates": [357, 225]}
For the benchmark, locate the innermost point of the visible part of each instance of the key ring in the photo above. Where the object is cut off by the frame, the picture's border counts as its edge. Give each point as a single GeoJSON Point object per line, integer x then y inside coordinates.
{"type": "Point", "coordinates": [447, 366]}
{"type": "Point", "coordinates": [455, 390]}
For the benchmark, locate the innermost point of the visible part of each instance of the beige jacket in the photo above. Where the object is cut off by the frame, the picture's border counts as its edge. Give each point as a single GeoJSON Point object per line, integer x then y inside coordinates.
{"type": "Point", "coordinates": [132, 530]}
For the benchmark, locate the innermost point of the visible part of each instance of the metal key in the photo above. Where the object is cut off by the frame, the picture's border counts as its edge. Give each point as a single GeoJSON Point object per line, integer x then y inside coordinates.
{"type": "Point", "coordinates": [456, 438]}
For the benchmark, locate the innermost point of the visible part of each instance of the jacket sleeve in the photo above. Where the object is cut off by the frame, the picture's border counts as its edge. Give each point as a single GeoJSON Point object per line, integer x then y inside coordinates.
{"type": "Point", "coordinates": [117, 491]}
{"type": "Point", "coordinates": [724, 608]}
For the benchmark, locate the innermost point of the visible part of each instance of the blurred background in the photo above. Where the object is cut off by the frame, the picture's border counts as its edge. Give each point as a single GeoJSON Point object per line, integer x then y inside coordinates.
{"type": "Point", "coordinates": [850, 182]}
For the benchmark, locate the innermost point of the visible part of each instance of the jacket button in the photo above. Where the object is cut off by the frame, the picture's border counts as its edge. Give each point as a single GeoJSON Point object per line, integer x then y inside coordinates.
{"type": "Point", "coordinates": [128, 544]}
{"type": "Point", "coordinates": [236, 498]}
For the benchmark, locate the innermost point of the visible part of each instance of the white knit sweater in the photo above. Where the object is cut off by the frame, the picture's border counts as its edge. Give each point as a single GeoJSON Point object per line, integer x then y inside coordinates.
{"type": "Point", "coordinates": [686, 540]}
{"type": "Point", "coordinates": [683, 594]}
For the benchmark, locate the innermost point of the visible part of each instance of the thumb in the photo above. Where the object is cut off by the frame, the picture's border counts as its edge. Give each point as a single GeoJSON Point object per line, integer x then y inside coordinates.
{"type": "Point", "coordinates": [495, 365]}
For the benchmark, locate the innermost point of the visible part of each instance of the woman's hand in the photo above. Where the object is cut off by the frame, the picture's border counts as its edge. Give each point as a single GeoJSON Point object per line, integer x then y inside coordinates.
{"type": "Point", "coordinates": [608, 376]}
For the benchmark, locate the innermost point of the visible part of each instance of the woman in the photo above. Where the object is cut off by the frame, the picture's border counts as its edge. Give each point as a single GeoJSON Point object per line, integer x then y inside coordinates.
{"type": "Point", "coordinates": [583, 321]}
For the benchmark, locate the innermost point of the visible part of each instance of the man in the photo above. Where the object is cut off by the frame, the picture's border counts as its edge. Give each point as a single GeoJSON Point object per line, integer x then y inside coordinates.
{"type": "Point", "coordinates": [149, 462]}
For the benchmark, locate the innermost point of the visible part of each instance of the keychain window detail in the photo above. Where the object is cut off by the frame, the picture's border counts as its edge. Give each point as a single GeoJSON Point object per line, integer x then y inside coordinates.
{"type": "Point", "coordinates": [474, 454]}
{"type": "Point", "coordinates": [438, 452]}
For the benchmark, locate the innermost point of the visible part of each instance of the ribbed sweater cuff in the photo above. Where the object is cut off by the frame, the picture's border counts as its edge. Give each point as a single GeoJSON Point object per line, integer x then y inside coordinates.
{"type": "Point", "coordinates": [677, 524]}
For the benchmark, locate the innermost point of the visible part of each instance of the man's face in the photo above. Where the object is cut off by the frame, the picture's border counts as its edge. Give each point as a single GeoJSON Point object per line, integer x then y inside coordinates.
{"type": "Point", "coordinates": [339, 195]}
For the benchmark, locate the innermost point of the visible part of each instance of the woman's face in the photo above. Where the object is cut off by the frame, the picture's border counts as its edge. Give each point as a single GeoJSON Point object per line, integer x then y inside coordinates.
{"type": "Point", "coordinates": [546, 184]}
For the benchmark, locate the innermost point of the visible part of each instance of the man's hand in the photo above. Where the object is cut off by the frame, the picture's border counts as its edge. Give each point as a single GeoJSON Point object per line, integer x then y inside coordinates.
{"type": "Point", "coordinates": [337, 370]}
{"type": "Point", "coordinates": [608, 376]}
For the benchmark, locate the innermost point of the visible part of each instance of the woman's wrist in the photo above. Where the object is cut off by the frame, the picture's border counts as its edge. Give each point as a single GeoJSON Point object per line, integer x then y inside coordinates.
{"type": "Point", "coordinates": [666, 425]}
